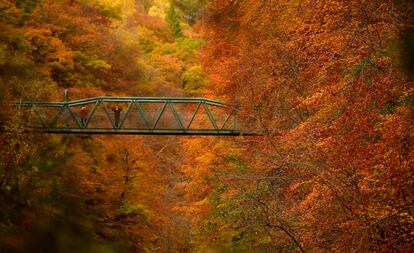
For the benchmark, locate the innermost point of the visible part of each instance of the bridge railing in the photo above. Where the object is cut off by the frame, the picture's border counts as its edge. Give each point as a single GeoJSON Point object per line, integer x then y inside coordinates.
{"type": "Point", "coordinates": [133, 115]}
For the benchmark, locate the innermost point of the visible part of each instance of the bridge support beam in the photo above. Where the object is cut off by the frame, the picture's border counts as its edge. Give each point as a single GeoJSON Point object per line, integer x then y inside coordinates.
{"type": "Point", "coordinates": [141, 131]}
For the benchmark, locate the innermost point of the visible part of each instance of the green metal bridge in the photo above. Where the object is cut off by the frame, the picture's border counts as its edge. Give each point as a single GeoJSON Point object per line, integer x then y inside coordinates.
{"type": "Point", "coordinates": [132, 115]}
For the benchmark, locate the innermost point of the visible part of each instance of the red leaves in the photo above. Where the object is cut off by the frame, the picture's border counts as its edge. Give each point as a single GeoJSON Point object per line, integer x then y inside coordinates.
{"type": "Point", "coordinates": [324, 72]}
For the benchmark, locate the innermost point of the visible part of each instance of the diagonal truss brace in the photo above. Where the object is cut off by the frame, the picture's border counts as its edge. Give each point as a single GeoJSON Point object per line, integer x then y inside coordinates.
{"type": "Point", "coordinates": [67, 110]}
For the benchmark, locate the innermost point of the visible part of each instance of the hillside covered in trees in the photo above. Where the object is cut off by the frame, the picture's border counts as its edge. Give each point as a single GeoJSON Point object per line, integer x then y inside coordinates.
{"type": "Point", "coordinates": [326, 85]}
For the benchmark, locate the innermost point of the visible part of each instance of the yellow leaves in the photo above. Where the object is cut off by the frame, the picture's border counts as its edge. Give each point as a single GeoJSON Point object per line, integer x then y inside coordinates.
{"type": "Point", "coordinates": [39, 41]}
{"type": "Point", "coordinates": [47, 49]}
{"type": "Point", "coordinates": [126, 6]}
{"type": "Point", "coordinates": [316, 99]}
{"type": "Point", "coordinates": [159, 8]}
{"type": "Point", "coordinates": [19, 146]}
{"type": "Point", "coordinates": [197, 210]}
{"type": "Point", "coordinates": [228, 194]}
{"type": "Point", "coordinates": [203, 160]}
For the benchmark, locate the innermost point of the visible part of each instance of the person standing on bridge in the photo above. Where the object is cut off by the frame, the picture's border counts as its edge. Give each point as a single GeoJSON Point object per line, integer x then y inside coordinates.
{"type": "Point", "coordinates": [84, 116]}
{"type": "Point", "coordinates": [117, 114]}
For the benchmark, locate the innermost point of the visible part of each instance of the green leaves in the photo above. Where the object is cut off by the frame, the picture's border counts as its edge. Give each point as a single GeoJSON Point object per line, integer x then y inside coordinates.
{"type": "Point", "coordinates": [112, 11]}
{"type": "Point", "coordinates": [194, 80]}
{"type": "Point", "coordinates": [90, 62]}
{"type": "Point", "coordinates": [128, 210]}
{"type": "Point", "coordinates": [391, 106]}
{"type": "Point", "coordinates": [191, 9]}
{"type": "Point", "coordinates": [28, 6]}
{"type": "Point", "coordinates": [174, 21]}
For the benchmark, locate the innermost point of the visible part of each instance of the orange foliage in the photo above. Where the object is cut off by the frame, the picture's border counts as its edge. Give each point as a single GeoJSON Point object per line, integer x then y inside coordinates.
{"type": "Point", "coordinates": [322, 80]}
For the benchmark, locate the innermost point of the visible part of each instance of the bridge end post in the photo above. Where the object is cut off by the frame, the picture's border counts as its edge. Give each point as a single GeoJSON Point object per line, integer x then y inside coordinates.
{"type": "Point", "coordinates": [235, 119]}
{"type": "Point", "coordinates": [65, 108]}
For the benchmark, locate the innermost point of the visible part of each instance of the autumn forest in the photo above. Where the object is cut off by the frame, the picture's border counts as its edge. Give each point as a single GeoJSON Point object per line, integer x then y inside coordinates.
{"type": "Point", "coordinates": [326, 86]}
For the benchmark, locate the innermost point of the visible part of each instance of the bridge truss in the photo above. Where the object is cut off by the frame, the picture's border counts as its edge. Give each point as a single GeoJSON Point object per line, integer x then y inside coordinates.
{"type": "Point", "coordinates": [136, 115]}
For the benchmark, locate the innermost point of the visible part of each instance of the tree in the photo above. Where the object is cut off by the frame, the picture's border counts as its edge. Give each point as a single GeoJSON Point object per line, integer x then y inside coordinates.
{"type": "Point", "coordinates": [174, 21]}
{"type": "Point", "coordinates": [330, 96]}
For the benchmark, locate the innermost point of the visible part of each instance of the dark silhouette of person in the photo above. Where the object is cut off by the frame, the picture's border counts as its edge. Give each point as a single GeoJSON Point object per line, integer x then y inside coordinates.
{"type": "Point", "coordinates": [117, 114]}
{"type": "Point", "coordinates": [84, 116]}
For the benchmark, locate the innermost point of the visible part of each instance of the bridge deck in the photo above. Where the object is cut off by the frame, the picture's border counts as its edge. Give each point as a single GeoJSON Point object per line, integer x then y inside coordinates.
{"type": "Point", "coordinates": [206, 132]}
